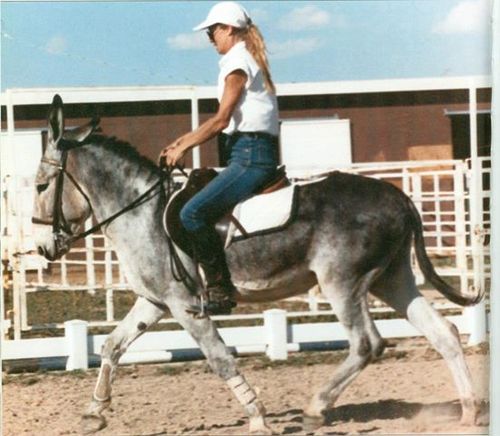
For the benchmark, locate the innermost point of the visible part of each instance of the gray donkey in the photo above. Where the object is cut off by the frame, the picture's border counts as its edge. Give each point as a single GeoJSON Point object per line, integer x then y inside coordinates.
{"type": "Point", "coordinates": [351, 235]}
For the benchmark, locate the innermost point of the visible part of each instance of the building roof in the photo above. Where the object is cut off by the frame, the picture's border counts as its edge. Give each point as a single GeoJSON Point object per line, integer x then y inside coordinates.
{"type": "Point", "coordinates": [32, 96]}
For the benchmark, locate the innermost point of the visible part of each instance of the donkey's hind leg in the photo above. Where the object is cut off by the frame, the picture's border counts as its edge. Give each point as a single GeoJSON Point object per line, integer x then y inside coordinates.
{"type": "Point", "coordinates": [222, 362]}
{"type": "Point", "coordinates": [142, 315]}
{"type": "Point", "coordinates": [365, 342]}
{"type": "Point", "coordinates": [397, 288]}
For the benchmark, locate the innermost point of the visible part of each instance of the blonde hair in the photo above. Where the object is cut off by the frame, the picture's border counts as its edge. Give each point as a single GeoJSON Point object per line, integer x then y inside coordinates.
{"type": "Point", "coordinates": [257, 48]}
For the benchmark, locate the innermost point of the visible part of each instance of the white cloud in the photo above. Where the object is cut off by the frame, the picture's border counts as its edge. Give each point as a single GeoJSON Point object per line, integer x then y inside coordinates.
{"type": "Point", "coordinates": [188, 41]}
{"type": "Point", "coordinates": [292, 47]}
{"type": "Point", "coordinates": [468, 16]}
{"type": "Point", "coordinates": [306, 17]}
{"type": "Point", "coordinates": [56, 45]}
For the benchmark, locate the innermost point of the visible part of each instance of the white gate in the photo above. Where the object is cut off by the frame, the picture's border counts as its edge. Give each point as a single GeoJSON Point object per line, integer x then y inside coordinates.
{"type": "Point", "coordinates": [447, 193]}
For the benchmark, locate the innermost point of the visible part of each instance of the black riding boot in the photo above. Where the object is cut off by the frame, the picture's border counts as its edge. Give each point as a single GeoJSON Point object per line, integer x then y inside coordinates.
{"type": "Point", "coordinates": [209, 253]}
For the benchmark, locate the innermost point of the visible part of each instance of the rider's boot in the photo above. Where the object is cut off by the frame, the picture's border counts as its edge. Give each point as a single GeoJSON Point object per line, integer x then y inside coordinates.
{"type": "Point", "coordinates": [209, 253]}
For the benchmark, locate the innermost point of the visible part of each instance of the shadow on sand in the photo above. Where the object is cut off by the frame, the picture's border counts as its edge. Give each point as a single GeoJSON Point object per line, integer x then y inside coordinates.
{"type": "Point", "coordinates": [449, 411]}
{"type": "Point", "coordinates": [380, 410]}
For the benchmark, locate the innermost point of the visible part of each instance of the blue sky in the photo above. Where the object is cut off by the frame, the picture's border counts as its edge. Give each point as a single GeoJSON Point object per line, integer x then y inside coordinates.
{"type": "Point", "coordinates": [50, 44]}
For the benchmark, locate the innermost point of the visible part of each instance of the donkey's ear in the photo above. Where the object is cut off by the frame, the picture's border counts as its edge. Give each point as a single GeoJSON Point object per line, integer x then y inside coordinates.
{"type": "Point", "coordinates": [56, 120]}
{"type": "Point", "coordinates": [80, 134]}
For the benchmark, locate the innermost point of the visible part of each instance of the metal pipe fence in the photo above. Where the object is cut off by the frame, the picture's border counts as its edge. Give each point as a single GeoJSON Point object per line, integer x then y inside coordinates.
{"type": "Point", "coordinates": [445, 193]}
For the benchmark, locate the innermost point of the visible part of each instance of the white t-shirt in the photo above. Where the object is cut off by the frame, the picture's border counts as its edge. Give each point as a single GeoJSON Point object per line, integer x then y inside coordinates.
{"type": "Point", "coordinates": [257, 110]}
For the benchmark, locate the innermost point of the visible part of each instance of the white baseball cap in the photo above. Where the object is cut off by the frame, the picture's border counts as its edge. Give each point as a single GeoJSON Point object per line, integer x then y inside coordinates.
{"type": "Point", "coordinates": [226, 12]}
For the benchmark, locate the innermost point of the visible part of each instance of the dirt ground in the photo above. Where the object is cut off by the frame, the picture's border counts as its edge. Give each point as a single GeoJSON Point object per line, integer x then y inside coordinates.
{"type": "Point", "coordinates": [408, 391]}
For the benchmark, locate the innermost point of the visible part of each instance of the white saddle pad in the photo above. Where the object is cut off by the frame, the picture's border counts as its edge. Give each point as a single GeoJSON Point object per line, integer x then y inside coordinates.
{"type": "Point", "coordinates": [264, 213]}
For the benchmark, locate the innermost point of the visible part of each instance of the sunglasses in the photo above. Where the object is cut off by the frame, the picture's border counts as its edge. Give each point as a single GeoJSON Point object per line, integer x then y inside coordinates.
{"type": "Point", "coordinates": [211, 31]}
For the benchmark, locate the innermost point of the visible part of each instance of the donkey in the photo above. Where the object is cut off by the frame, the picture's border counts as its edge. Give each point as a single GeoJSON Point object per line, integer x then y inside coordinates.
{"type": "Point", "coordinates": [351, 235]}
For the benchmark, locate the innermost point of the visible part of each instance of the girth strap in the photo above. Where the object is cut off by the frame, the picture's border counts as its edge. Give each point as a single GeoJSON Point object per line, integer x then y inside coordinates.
{"type": "Point", "coordinates": [238, 225]}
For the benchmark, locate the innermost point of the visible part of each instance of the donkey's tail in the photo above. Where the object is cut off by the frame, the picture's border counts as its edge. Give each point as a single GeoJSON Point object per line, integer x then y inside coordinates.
{"type": "Point", "coordinates": [428, 269]}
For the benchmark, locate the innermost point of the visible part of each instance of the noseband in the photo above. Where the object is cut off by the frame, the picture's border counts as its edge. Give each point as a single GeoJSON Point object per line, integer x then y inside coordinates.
{"type": "Point", "coordinates": [60, 225]}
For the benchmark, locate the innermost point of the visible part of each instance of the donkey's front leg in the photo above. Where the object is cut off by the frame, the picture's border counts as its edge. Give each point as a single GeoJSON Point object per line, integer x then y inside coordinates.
{"type": "Point", "coordinates": [142, 315]}
{"type": "Point", "coordinates": [222, 363]}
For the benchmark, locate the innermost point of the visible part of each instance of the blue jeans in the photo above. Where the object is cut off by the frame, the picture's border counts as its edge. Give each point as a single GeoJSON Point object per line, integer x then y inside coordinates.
{"type": "Point", "coordinates": [252, 163]}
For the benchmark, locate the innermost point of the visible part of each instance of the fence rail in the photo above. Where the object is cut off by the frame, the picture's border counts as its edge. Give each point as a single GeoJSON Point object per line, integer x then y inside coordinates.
{"type": "Point", "coordinates": [276, 337]}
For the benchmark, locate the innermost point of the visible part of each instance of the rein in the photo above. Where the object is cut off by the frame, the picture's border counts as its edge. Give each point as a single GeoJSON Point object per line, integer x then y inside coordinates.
{"type": "Point", "coordinates": [59, 223]}
{"type": "Point", "coordinates": [137, 202]}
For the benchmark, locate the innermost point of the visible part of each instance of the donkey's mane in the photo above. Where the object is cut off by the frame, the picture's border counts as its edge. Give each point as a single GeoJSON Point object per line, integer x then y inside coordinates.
{"type": "Point", "coordinates": [123, 150]}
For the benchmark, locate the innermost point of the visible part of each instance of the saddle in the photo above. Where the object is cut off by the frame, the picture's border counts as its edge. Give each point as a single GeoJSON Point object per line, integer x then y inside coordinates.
{"type": "Point", "coordinates": [197, 180]}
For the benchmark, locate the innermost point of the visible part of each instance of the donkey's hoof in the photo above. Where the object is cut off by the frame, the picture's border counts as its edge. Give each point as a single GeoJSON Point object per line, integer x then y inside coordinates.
{"type": "Point", "coordinates": [469, 416]}
{"type": "Point", "coordinates": [262, 431]}
{"type": "Point", "coordinates": [257, 426]}
{"type": "Point", "coordinates": [311, 423]}
{"type": "Point", "coordinates": [483, 420]}
{"type": "Point", "coordinates": [93, 423]}
{"type": "Point", "coordinates": [475, 419]}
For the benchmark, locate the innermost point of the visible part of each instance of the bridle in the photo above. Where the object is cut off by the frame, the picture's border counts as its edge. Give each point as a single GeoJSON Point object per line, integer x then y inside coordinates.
{"type": "Point", "coordinates": [59, 223]}
{"type": "Point", "coordinates": [61, 230]}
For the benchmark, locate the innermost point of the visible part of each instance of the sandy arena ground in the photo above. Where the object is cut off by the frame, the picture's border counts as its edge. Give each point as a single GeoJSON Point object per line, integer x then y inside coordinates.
{"type": "Point", "coordinates": [409, 391]}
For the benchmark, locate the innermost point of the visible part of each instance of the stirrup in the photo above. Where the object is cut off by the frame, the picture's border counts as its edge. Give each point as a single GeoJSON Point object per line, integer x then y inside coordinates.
{"type": "Point", "coordinates": [207, 307]}
{"type": "Point", "coordinates": [199, 311]}
{"type": "Point", "coordinates": [221, 307]}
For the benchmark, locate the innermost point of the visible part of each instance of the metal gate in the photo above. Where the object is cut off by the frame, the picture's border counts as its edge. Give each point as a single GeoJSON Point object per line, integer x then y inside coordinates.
{"type": "Point", "coordinates": [452, 197]}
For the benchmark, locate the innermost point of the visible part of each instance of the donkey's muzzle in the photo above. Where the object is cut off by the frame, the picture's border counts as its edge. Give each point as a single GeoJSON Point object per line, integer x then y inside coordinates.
{"type": "Point", "coordinates": [46, 253]}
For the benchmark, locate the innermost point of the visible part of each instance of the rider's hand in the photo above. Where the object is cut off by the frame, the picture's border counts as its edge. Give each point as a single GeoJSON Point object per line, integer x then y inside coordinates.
{"type": "Point", "coordinates": [172, 153]}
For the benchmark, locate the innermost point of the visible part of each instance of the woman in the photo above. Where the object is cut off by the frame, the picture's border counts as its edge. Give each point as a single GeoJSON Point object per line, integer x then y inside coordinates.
{"type": "Point", "coordinates": [248, 115]}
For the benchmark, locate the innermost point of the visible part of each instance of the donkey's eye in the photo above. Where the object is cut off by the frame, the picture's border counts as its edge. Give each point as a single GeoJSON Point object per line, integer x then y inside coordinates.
{"type": "Point", "coordinates": [41, 187]}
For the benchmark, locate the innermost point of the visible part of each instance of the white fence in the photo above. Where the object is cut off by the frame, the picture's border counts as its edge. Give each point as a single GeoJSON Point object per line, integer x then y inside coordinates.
{"type": "Point", "coordinates": [276, 338]}
{"type": "Point", "coordinates": [445, 192]}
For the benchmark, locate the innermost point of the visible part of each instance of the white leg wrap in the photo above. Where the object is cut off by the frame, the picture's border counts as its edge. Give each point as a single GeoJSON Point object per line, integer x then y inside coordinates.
{"type": "Point", "coordinates": [242, 390]}
{"type": "Point", "coordinates": [253, 407]}
{"type": "Point", "coordinates": [102, 390]}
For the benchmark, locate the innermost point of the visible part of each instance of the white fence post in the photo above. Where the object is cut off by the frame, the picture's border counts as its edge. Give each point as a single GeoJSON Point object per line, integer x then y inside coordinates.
{"type": "Point", "coordinates": [195, 121]}
{"type": "Point", "coordinates": [275, 325]}
{"type": "Point", "coordinates": [417, 197]}
{"type": "Point", "coordinates": [476, 319]}
{"type": "Point", "coordinates": [76, 342]}
{"type": "Point", "coordinates": [477, 313]}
